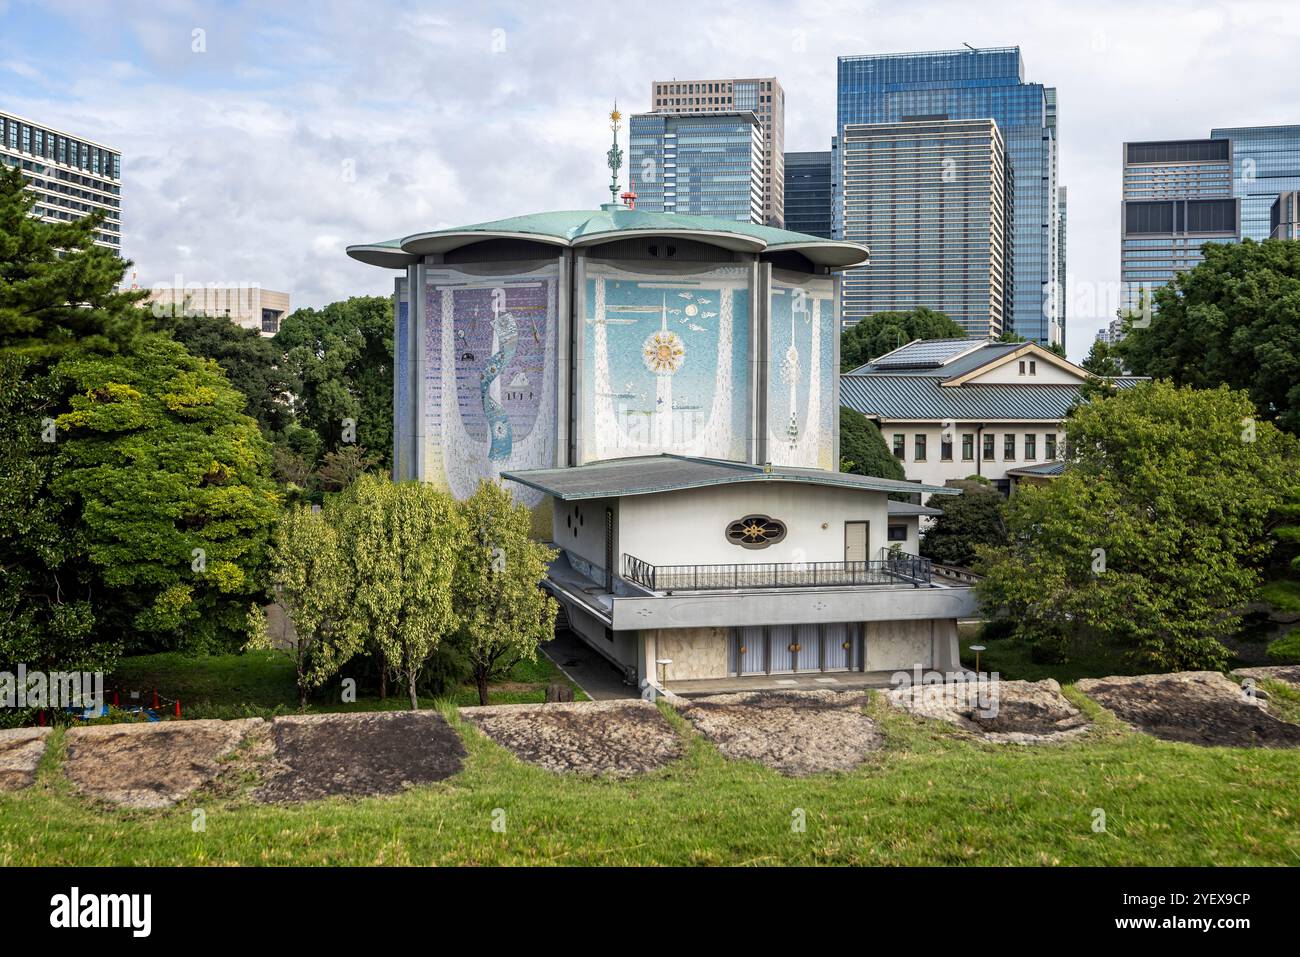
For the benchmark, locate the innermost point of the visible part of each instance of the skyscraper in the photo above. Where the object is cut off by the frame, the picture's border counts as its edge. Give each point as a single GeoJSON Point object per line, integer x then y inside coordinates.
{"type": "Point", "coordinates": [1284, 217]}
{"type": "Point", "coordinates": [979, 84]}
{"type": "Point", "coordinates": [763, 97]}
{"type": "Point", "coordinates": [1266, 162]}
{"type": "Point", "coordinates": [929, 199]}
{"type": "Point", "coordinates": [706, 165]}
{"type": "Point", "coordinates": [1060, 261]}
{"type": "Point", "coordinates": [809, 184]}
{"type": "Point", "coordinates": [70, 175]}
{"type": "Point", "coordinates": [1177, 196]}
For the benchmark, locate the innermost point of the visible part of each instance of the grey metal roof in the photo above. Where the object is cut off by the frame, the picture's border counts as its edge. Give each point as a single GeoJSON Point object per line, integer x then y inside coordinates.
{"type": "Point", "coordinates": [911, 397]}
{"type": "Point", "coordinates": [907, 508]}
{"type": "Point", "coordinates": [644, 475]}
{"type": "Point", "coordinates": [1045, 470]}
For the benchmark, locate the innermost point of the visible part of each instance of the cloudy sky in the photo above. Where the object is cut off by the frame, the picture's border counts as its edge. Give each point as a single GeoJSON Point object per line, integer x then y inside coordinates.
{"type": "Point", "coordinates": [260, 138]}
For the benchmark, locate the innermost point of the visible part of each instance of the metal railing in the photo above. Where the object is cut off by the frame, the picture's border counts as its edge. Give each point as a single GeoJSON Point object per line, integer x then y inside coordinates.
{"type": "Point", "coordinates": [896, 570]}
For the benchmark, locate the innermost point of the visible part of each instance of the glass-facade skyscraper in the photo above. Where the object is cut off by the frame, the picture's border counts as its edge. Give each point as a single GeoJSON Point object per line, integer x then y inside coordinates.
{"type": "Point", "coordinates": [1266, 163]}
{"type": "Point", "coordinates": [809, 203]}
{"type": "Point", "coordinates": [1177, 197]}
{"type": "Point", "coordinates": [704, 164]}
{"type": "Point", "coordinates": [979, 84]}
{"type": "Point", "coordinates": [929, 199]}
{"type": "Point", "coordinates": [762, 96]}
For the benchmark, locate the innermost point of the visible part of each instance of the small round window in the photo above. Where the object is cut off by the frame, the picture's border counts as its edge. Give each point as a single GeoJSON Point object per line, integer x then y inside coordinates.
{"type": "Point", "coordinates": [755, 531]}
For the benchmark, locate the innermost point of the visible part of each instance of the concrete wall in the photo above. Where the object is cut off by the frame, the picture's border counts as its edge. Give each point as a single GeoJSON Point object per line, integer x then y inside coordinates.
{"type": "Point", "coordinates": [912, 523]}
{"type": "Point", "coordinates": [890, 646]}
{"type": "Point", "coordinates": [688, 527]}
{"type": "Point", "coordinates": [579, 527]}
{"type": "Point", "coordinates": [903, 645]}
{"type": "Point", "coordinates": [695, 652]}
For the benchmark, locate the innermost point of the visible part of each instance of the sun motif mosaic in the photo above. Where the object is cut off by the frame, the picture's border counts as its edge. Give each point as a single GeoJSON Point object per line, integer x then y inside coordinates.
{"type": "Point", "coordinates": [664, 352]}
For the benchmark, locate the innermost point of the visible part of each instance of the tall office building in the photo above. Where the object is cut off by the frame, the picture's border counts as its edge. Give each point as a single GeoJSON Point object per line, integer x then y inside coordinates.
{"type": "Point", "coordinates": [761, 96]}
{"type": "Point", "coordinates": [1284, 217]}
{"type": "Point", "coordinates": [979, 84]}
{"type": "Point", "coordinates": [70, 175]}
{"type": "Point", "coordinates": [1177, 197]}
{"type": "Point", "coordinates": [1266, 162]}
{"type": "Point", "coordinates": [809, 190]}
{"type": "Point", "coordinates": [929, 199]}
{"type": "Point", "coordinates": [1060, 261]}
{"type": "Point", "coordinates": [705, 165]}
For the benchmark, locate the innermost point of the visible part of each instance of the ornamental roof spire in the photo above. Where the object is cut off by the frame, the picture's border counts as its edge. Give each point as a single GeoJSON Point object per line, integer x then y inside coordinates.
{"type": "Point", "coordinates": [614, 157]}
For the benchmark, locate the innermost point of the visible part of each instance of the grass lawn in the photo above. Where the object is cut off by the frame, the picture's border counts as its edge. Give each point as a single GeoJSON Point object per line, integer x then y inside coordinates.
{"type": "Point", "coordinates": [929, 797]}
{"type": "Point", "coordinates": [1010, 659]}
{"type": "Point", "coordinates": [261, 684]}
{"type": "Point", "coordinates": [1283, 594]}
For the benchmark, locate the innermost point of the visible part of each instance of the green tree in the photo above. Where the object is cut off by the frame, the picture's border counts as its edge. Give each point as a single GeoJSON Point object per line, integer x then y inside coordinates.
{"type": "Point", "coordinates": [48, 592]}
{"type": "Point", "coordinates": [340, 469]}
{"type": "Point", "coordinates": [883, 332]}
{"type": "Point", "coordinates": [504, 613]}
{"type": "Point", "coordinates": [1234, 319]}
{"type": "Point", "coordinates": [312, 584]}
{"type": "Point", "coordinates": [1150, 541]}
{"type": "Point", "coordinates": [339, 360]}
{"type": "Point", "coordinates": [107, 431]}
{"type": "Point", "coordinates": [250, 361]}
{"type": "Point", "coordinates": [171, 483]}
{"type": "Point", "coordinates": [862, 449]}
{"type": "Point", "coordinates": [58, 289]}
{"type": "Point", "coordinates": [974, 518]}
{"type": "Point", "coordinates": [400, 545]}
{"type": "Point", "coordinates": [1103, 360]}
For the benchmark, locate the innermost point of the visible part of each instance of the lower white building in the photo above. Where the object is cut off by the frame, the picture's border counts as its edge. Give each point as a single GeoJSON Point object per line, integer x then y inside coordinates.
{"type": "Point", "coordinates": [953, 408]}
{"type": "Point", "coordinates": [698, 569]}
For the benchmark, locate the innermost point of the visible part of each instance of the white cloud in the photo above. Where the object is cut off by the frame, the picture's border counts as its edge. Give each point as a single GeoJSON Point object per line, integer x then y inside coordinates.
{"type": "Point", "coordinates": [302, 130]}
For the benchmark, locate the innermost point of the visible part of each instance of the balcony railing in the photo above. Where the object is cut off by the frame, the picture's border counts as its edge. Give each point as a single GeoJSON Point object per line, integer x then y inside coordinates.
{"type": "Point", "coordinates": [899, 570]}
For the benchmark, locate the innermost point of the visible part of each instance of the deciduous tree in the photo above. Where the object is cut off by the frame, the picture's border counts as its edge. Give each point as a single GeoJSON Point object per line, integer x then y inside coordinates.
{"type": "Point", "coordinates": [400, 544]}
{"type": "Point", "coordinates": [313, 585]}
{"type": "Point", "coordinates": [1151, 539]}
{"type": "Point", "coordinates": [504, 613]}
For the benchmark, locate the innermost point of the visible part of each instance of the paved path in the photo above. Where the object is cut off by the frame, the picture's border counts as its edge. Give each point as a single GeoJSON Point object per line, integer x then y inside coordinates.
{"type": "Point", "coordinates": [591, 670]}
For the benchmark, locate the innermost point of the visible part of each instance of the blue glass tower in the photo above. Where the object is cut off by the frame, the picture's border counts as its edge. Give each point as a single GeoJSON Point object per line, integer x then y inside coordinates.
{"type": "Point", "coordinates": [708, 164]}
{"type": "Point", "coordinates": [1266, 163]}
{"type": "Point", "coordinates": [979, 84]}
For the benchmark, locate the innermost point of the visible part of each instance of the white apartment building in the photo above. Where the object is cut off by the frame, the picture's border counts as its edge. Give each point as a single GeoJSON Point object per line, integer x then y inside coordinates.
{"type": "Point", "coordinates": [71, 176]}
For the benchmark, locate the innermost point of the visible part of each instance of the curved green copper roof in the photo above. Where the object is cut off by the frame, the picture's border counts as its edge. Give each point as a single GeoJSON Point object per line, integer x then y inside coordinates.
{"type": "Point", "coordinates": [585, 227]}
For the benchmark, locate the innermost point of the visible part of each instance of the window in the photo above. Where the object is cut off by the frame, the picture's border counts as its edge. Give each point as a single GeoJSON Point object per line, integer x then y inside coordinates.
{"type": "Point", "coordinates": [945, 447]}
{"type": "Point", "coordinates": [967, 447]}
{"type": "Point", "coordinates": [919, 448]}
{"type": "Point", "coordinates": [1022, 366]}
{"type": "Point", "coordinates": [1031, 446]}
{"type": "Point", "coordinates": [988, 448]}
{"type": "Point", "coordinates": [898, 533]}
{"type": "Point", "coordinates": [755, 531]}
{"type": "Point", "coordinates": [1033, 367]}
{"type": "Point", "coordinates": [899, 439]}
{"type": "Point", "coordinates": [1049, 446]}
{"type": "Point", "coordinates": [1009, 447]}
